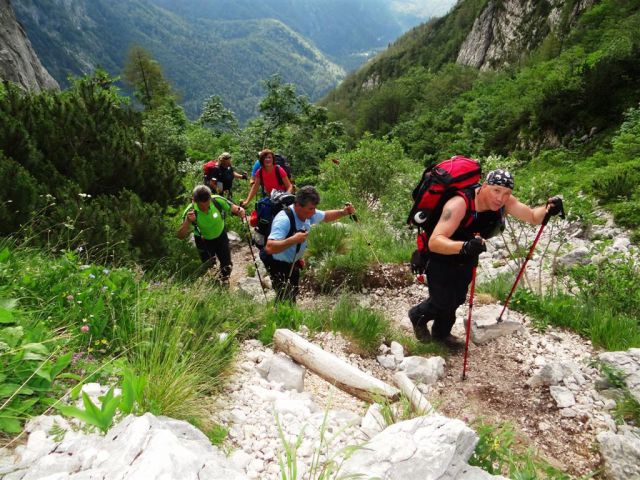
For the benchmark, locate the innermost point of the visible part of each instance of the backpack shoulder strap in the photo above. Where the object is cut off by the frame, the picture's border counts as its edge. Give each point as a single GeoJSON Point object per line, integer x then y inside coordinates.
{"type": "Point", "coordinates": [215, 199]}
{"type": "Point", "coordinates": [469, 196]}
{"type": "Point", "coordinates": [278, 174]}
{"type": "Point", "coordinates": [292, 221]}
{"type": "Point", "coordinates": [259, 172]}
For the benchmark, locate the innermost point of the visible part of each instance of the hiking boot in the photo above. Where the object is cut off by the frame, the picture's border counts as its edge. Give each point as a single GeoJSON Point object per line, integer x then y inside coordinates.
{"type": "Point", "coordinates": [451, 342]}
{"type": "Point", "coordinates": [419, 325]}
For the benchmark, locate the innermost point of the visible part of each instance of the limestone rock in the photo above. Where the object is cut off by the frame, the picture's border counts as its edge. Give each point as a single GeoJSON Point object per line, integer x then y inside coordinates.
{"type": "Point", "coordinates": [424, 448]}
{"type": "Point", "coordinates": [138, 447]}
{"type": "Point", "coordinates": [281, 369]}
{"type": "Point", "coordinates": [621, 455]}
{"type": "Point", "coordinates": [18, 61]}
{"type": "Point", "coordinates": [424, 370]}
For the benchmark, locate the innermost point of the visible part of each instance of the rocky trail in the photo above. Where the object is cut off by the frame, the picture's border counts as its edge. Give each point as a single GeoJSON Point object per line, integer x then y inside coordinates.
{"type": "Point", "coordinates": [544, 383]}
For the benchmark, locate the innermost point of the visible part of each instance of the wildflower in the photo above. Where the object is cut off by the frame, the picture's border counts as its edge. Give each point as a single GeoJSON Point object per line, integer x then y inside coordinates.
{"type": "Point", "coordinates": [84, 328]}
{"type": "Point", "coordinates": [89, 349]}
{"type": "Point", "coordinates": [104, 288]}
{"type": "Point", "coordinates": [104, 341]}
{"type": "Point", "coordinates": [106, 271]}
{"type": "Point", "coordinates": [92, 276]}
{"type": "Point", "coordinates": [69, 298]}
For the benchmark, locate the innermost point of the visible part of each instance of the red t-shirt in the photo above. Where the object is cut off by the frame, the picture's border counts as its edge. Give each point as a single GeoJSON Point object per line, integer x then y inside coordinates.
{"type": "Point", "coordinates": [270, 179]}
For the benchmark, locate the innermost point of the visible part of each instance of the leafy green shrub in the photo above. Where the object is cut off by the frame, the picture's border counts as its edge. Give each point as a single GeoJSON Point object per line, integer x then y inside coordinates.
{"type": "Point", "coordinates": [373, 169]}
{"type": "Point", "coordinates": [31, 359]}
{"type": "Point", "coordinates": [619, 182]}
{"type": "Point", "coordinates": [497, 452]}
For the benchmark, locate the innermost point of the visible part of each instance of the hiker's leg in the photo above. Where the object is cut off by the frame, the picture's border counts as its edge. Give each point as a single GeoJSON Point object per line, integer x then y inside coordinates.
{"type": "Point", "coordinates": [223, 252]}
{"type": "Point", "coordinates": [451, 294]}
{"type": "Point", "coordinates": [205, 252]}
{"type": "Point", "coordinates": [436, 302]}
{"type": "Point", "coordinates": [278, 272]}
{"type": "Point", "coordinates": [292, 288]}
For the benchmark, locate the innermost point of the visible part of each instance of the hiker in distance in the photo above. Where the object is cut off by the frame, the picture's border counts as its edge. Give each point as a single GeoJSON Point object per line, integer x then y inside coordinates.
{"type": "Point", "coordinates": [268, 177]}
{"type": "Point", "coordinates": [221, 177]}
{"type": "Point", "coordinates": [287, 241]}
{"type": "Point", "coordinates": [205, 217]}
{"type": "Point", "coordinates": [458, 239]}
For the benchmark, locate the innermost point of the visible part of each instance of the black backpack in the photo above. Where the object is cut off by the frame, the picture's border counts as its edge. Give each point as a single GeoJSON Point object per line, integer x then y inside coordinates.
{"type": "Point", "coordinates": [283, 162]}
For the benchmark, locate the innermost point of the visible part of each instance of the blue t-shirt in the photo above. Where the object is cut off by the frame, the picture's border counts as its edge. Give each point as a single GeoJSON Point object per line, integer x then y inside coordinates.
{"type": "Point", "coordinates": [255, 168]}
{"type": "Point", "coordinates": [280, 230]}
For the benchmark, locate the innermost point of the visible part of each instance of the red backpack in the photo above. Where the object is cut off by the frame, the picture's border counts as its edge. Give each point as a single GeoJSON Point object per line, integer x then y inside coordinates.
{"type": "Point", "coordinates": [207, 168]}
{"type": "Point", "coordinates": [438, 185]}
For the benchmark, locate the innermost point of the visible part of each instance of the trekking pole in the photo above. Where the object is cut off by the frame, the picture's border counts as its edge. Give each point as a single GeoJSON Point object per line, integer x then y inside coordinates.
{"type": "Point", "coordinates": [366, 239]}
{"type": "Point", "coordinates": [466, 343]}
{"type": "Point", "coordinates": [545, 220]}
{"type": "Point", "coordinates": [255, 263]}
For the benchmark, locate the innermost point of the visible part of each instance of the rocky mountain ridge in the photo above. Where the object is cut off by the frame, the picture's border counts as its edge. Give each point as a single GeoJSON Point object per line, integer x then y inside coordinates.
{"type": "Point", "coordinates": [18, 61]}
{"type": "Point", "coordinates": [507, 30]}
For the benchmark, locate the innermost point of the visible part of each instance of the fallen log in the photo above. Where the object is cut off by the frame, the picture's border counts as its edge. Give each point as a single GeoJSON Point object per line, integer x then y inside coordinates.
{"type": "Point", "coordinates": [420, 404]}
{"type": "Point", "coordinates": [334, 370]}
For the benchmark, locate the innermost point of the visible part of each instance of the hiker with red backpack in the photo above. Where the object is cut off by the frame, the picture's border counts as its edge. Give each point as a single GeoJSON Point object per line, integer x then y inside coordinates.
{"type": "Point", "coordinates": [287, 241]}
{"type": "Point", "coordinates": [219, 175]}
{"type": "Point", "coordinates": [268, 177]}
{"type": "Point", "coordinates": [455, 223]}
{"type": "Point", "coordinates": [205, 217]}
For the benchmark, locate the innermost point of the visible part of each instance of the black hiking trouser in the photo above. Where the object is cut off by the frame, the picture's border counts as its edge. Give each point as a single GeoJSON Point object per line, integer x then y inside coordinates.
{"type": "Point", "coordinates": [448, 284]}
{"type": "Point", "coordinates": [218, 248]}
{"type": "Point", "coordinates": [285, 285]}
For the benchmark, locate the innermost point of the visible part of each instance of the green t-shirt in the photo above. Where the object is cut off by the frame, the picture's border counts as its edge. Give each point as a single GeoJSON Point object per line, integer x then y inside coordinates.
{"type": "Point", "coordinates": [210, 225]}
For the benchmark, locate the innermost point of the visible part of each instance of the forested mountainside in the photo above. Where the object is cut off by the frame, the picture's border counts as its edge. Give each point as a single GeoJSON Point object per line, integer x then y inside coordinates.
{"type": "Point", "coordinates": [212, 47]}
{"type": "Point", "coordinates": [346, 31]}
{"type": "Point", "coordinates": [547, 84]}
{"type": "Point", "coordinates": [549, 69]}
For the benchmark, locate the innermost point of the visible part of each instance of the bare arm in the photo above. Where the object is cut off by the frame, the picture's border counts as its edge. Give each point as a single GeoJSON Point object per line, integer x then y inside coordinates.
{"type": "Point", "coordinates": [252, 192]}
{"type": "Point", "coordinates": [331, 215]}
{"type": "Point", "coordinates": [277, 246]}
{"type": "Point", "coordinates": [525, 213]}
{"type": "Point", "coordinates": [184, 228]}
{"type": "Point", "coordinates": [287, 183]}
{"type": "Point", "coordinates": [452, 214]}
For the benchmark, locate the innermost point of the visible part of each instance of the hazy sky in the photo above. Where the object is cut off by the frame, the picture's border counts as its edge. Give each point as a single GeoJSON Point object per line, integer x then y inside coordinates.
{"type": "Point", "coordinates": [424, 8]}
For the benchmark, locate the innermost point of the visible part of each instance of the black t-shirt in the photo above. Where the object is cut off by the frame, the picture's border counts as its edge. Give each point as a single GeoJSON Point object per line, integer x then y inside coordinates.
{"type": "Point", "coordinates": [224, 175]}
{"type": "Point", "coordinates": [487, 224]}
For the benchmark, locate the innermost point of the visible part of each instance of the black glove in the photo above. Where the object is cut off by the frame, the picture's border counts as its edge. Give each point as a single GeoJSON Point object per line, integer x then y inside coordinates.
{"type": "Point", "coordinates": [473, 247]}
{"type": "Point", "coordinates": [555, 206]}
{"type": "Point", "coordinates": [244, 175]}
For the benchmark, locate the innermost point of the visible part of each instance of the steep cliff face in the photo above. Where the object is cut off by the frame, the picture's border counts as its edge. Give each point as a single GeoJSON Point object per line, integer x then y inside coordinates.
{"type": "Point", "coordinates": [18, 62]}
{"type": "Point", "coordinates": [507, 29]}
